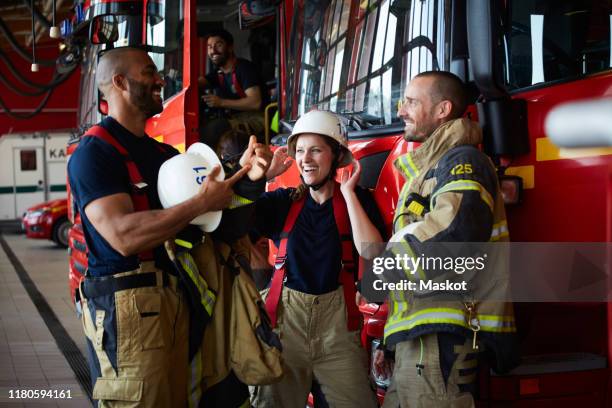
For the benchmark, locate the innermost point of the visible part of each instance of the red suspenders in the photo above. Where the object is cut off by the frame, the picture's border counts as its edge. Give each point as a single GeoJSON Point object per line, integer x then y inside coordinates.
{"type": "Point", "coordinates": [276, 285]}
{"type": "Point", "coordinates": [138, 195]}
{"type": "Point", "coordinates": [235, 83]}
{"type": "Point", "coordinates": [348, 263]}
{"type": "Point", "coordinates": [347, 273]}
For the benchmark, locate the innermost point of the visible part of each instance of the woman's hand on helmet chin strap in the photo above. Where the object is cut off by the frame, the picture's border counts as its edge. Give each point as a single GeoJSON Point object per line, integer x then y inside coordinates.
{"type": "Point", "coordinates": [280, 163]}
{"type": "Point", "coordinates": [349, 180]}
{"type": "Point", "coordinates": [258, 156]}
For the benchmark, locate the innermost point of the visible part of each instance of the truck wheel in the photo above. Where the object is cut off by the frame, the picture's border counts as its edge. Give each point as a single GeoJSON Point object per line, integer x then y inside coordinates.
{"type": "Point", "coordinates": [60, 232]}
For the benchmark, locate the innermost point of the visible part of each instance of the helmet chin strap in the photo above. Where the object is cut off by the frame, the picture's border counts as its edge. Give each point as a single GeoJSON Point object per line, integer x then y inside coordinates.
{"type": "Point", "coordinates": [316, 186]}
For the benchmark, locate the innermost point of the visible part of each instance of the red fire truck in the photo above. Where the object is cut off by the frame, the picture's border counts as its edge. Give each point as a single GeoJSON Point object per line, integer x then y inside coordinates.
{"type": "Point", "coordinates": [519, 59]}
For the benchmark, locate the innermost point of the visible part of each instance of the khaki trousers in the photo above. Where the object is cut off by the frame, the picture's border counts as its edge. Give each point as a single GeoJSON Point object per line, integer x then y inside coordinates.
{"type": "Point", "coordinates": [408, 389]}
{"type": "Point", "coordinates": [317, 345]}
{"type": "Point", "coordinates": [137, 343]}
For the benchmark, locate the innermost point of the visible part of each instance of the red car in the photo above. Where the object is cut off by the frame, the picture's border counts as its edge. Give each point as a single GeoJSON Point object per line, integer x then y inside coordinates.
{"type": "Point", "coordinates": [48, 220]}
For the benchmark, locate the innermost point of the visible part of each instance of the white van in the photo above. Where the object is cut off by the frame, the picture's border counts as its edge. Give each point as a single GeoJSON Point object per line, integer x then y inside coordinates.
{"type": "Point", "coordinates": [32, 170]}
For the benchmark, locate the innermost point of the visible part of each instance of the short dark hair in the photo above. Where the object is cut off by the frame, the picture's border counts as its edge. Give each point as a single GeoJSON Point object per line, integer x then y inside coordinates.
{"type": "Point", "coordinates": [448, 86]}
{"type": "Point", "coordinates": [224, 34]}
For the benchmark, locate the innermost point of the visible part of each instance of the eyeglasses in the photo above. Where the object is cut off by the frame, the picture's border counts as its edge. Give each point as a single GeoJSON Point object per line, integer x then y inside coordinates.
{"type": "Point", "coordinates": [402, 102]}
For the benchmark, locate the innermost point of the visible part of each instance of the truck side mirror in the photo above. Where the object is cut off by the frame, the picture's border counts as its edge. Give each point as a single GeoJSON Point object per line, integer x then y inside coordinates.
{"type": "Point", "coordinates": [503, 119]}
{"type": "Point", "coordinates": [103, 29]}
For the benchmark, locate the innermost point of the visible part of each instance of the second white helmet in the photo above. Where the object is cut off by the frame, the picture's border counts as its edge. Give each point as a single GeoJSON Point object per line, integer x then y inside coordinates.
{"type": "Point", "coordinates": [324, 123]}
{"type": "Point", "coordinates": [181, 177]}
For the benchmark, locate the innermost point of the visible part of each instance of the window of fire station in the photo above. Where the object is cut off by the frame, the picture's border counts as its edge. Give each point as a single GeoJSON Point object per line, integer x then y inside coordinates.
{"type": "Point", "coordinates": [88, 114]}
{"type": "Point", "coordinates": [551, 40]}
{"type": "Point", "coordinates": [323, 48]}
{"type": "Point", "coordinates": [165, 40]}
{"type": "Point", "coordinates": [425, 38]}
{"type": "Point", "coordinates": [349, 63]}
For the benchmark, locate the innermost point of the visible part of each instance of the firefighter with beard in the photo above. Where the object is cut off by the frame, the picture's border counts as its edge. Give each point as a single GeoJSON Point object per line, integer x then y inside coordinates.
{"type": "Point", "coordinates": [232, 93]}
{"type": "Point", "coordinates": [451, 195]}
{"type": "Point", "coordinates": [134, 316]}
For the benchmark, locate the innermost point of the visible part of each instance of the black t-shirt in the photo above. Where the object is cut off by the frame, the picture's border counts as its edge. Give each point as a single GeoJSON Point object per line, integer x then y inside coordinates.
{"type": "Point", "coordinates": [95, 170]}
{"type": "Point", "coordinates": [313, 248]}
{"type": "Point", "coordinates": [246, 75]}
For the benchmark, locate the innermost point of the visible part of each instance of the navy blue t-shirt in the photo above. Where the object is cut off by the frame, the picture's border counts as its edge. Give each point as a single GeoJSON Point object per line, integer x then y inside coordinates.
{"type": "Point", "coordinates": [95, 170]}
{"type": "Point", "coordinates": [313, 249]}
{"type": "Point", "coordinates": [246, 75]}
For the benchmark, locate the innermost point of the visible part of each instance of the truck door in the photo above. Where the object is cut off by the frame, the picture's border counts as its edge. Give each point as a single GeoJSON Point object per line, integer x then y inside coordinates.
{"type": "Point", "coordinates": [28, 178]}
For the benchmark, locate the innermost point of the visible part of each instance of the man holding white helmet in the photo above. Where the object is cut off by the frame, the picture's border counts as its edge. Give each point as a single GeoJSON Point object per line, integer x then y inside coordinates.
{"type": "Point", "coordinates": [311, 298]}
{"type": "Point", "coordinates": [134, 316]}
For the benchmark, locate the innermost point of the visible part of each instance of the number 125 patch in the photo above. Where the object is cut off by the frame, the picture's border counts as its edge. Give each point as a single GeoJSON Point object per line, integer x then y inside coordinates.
{"type": "Point", "coordinates": [462, 169]}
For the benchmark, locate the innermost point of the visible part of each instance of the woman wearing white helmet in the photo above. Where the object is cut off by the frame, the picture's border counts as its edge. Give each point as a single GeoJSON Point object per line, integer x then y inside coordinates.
{"type": "Point", "coordinates": [311, 297]}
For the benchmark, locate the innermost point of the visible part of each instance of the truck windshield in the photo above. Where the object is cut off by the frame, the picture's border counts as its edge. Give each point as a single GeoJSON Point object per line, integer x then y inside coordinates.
{"type": "Point", "coordinates": [165, 42]}
{"type": "Point", "coordinates": [548, 40]}
{"type": "Point", "coordinates": [354, 58]}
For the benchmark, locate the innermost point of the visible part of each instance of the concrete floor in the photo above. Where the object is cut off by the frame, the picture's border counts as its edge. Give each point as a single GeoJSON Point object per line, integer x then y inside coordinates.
{"type": "Point", "coordinates": [29, 356]}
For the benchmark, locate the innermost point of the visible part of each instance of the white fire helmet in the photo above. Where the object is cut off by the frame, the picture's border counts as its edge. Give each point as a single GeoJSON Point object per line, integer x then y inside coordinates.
{"type": "Point", "coordinates": [181, 177]}
{"type": "Point", "coordinates": [324, 123]}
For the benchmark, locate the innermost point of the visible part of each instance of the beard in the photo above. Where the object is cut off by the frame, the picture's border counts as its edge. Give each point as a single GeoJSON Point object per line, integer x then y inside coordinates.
{"type": "Point", "coordinates": [421, 130]}
{"type": "Point", "coordinates": [411, 137]}
{"type": "Point", "coordinates": [221, 59]}
{"type": "Point", "coordinates": [141, 96]}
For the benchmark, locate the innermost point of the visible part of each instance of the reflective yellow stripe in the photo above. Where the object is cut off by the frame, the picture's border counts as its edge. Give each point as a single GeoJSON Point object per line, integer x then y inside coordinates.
{"type": "Point", "coordinates": [400, 206]}
{"type": "Point", "coordinates": [397, 307]}
{"type": "Point", "coordinates": [183, 243]}
{"type": "Point", "coordinates": [405, 249]}
{"type": "Point", "coordinates": [194, 390]}
{"type": "Point", "coordinates": [488, 323]}
{"type": "Point", "coordinates": [463, 185]}
{"type": "Point", "coordinates": [499, 231]}
{"type": "Point", "coordinates": [407, 166]}
{"type": "Point", "coordinates": [239, 201]}
{"type": "Point", "coordinates": [207, 297]}
{"type": "Point", "coordinates": [414, 168]}
{"type": "Point", "coordinates": [410, 171]}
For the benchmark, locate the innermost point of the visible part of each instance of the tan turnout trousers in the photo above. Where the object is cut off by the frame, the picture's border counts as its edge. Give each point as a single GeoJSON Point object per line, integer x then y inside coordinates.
{"type": "Point", "coordinates": [317, 345]}
{"type": "Point", "coordinates": [408, 389]}
{"type": "Point", "coordinates": [137, 340]}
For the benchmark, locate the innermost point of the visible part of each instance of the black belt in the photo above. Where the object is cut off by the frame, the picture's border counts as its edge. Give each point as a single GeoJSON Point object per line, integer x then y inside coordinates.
{"type": "Point", "coordinates": [107, 285]}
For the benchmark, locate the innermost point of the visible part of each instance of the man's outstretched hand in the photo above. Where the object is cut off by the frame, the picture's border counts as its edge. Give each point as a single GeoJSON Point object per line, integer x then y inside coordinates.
{"type": "Point", "coordinates": [217, 195]}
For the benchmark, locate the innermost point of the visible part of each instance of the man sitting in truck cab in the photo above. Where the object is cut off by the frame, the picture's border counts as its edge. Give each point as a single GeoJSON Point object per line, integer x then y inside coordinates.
{"type": "Point", "coordinates": [232, 93]}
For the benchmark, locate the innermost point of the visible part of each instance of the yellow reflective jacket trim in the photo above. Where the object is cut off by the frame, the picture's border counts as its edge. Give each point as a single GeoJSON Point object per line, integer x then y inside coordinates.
{"type": "Point", "coordinates": [194, 391]}
{"type": "Point", "coordinates": [207, 297]}
{"type": "Point", "coordinates": [183, 243]}
{"type": "Point", "coordinates": [398, 307]}
{"type": "Point", "coordinates": [464, 185]}
{"type": "Point", "coordinates": [488, 323]}
{"type": "Point", "coordinates": [499, 231]}
{"type": "Point", "coordinates": [404, 249]}
{"type": "Point", "coordinates": [409, 169]}
{"type": "Point", "coordinates": [239, 201]}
